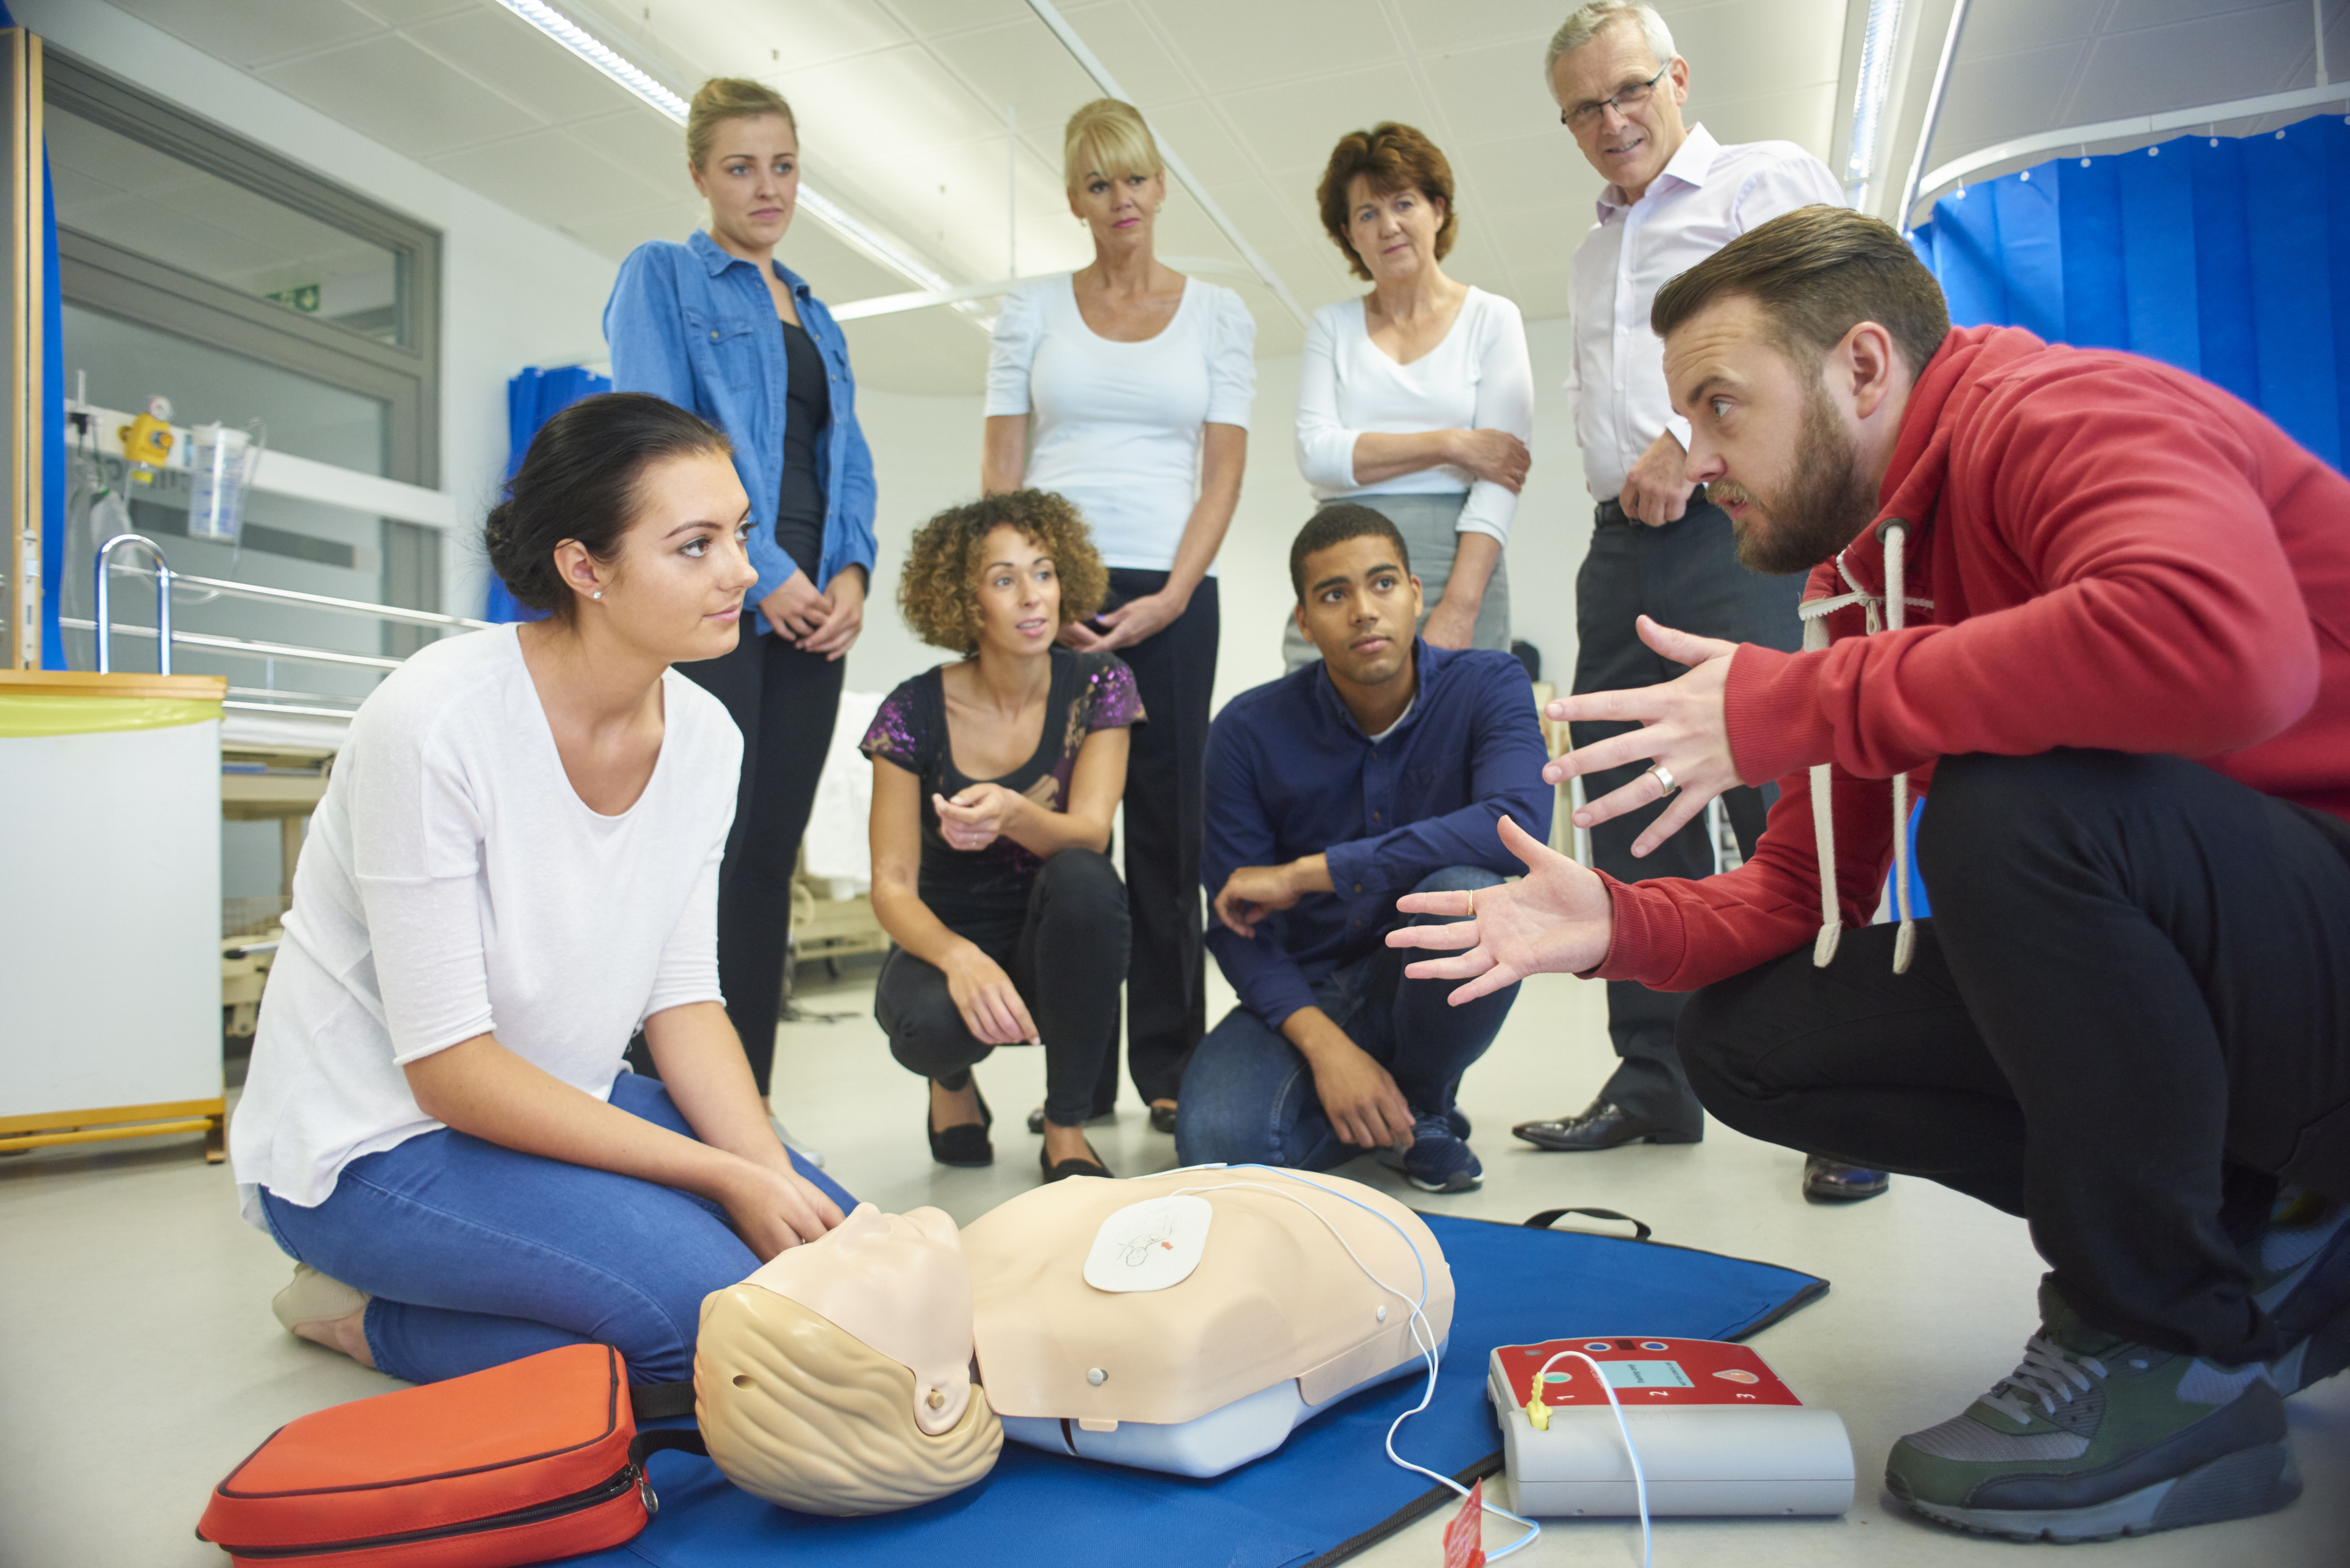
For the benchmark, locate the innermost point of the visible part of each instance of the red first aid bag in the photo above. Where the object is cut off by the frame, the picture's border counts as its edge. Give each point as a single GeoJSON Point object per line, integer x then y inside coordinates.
{"type": "Point", "coordinates": [537, 1459]}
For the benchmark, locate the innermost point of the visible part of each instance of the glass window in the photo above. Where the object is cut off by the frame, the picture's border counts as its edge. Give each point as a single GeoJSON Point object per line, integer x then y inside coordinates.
{"type": "Point", "coordinates": [146, 201]}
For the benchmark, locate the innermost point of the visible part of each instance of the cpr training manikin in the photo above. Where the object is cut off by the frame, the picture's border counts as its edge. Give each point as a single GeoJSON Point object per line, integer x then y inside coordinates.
{"type": "Point", "coordinates": [1185, 1322]}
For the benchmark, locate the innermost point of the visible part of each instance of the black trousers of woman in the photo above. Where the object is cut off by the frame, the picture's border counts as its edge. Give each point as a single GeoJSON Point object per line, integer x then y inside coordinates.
{"type": "Point", "coordinates": [2128, 1021]}
{"type": "Point", "coordinates": [1166, 799]}
{"type": "Point", "coordinates": [785, 701]}
{"type": "Point", "coordinates": [1065, 959]}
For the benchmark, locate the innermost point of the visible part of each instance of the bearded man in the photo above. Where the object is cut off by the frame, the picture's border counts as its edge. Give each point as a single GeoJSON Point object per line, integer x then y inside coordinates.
{"type": "Point", "coordinates": [2101, 610]}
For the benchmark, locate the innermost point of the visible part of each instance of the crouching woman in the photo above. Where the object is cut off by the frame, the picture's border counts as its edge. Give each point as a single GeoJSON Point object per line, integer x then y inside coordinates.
{"type": "Point", "coordinates": [515, 867]}
{"type": "Point", "coordinates": [993, 783]}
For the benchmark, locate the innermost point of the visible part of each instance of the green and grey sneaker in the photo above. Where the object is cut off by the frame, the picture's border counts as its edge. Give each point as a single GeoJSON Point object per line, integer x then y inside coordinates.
{"type": "Point", "coordinates": [2095, 1437]}
{"type": "Point", "coordinates": [2301, 1278]}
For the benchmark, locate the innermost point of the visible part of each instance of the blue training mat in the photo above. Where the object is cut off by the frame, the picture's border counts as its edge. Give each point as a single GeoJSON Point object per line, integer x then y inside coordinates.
{"type": "Point", "coordinates": [1326, 1493]}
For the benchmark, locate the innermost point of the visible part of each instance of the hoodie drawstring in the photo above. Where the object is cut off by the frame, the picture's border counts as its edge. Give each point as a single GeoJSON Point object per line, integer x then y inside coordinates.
{"type": "Point", "coordinates": [1883, 614]}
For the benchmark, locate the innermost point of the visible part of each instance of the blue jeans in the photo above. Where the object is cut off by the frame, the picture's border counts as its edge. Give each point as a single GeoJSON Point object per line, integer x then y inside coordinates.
{"type": "Point", "coordinates": [1249, 1097]}
{"type": "Point", "coordinates": [477, 1255]}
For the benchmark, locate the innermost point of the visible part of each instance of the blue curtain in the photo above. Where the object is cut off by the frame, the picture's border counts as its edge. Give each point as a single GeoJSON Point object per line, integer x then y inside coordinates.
{"type": "Point", "coordinates": [2154, 252]}
{"type": "Point", "coordinates": [533, 398]}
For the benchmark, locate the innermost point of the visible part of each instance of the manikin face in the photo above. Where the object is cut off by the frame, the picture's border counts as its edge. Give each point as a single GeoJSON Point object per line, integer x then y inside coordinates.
{"type": "Point", "coordinates": [1394, 232]}
{"type": "Point", "coordinates": [1019, 594]}
{"type": "Point", "coordinates": [751, 180]}
{"type": "Point", "coordinates": [1769, 445]}
{"type": "Point", "coordinates": [1629, 145]}
{"type": "Point", "coordinates": [1360, 610]}
{"type": "Point", "coordinates": [1120, 210]}
{"type": "Point", "coordinates": [898, 1282]}
{"type": "Point", "coordinates": [675, 588]}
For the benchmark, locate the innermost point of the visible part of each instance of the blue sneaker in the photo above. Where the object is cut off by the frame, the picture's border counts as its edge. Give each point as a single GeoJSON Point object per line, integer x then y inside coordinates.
{"type": "Point", "coordinates": [1439, 1160]}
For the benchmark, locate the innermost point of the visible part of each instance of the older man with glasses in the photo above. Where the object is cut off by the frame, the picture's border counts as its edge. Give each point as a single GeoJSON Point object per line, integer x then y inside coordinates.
{"type": "Point", "coordinates": [1659, 547]}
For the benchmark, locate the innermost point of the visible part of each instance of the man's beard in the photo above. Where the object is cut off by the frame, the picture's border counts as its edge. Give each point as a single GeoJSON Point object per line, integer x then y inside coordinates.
{"type": "Point", "coordinates": [1825, 506]}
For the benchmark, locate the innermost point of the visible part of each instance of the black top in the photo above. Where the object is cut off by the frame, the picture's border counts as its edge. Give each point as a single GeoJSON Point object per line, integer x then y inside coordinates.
{"type": "Point", "coordinates": [808, 409]}
{"type": "Point", "coordinates": [987, 889]}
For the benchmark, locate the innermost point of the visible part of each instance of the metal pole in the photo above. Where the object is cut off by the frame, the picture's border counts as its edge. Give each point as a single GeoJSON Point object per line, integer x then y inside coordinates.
{"type": "Point", "coordinates": [2317, 26]}
{"type": "Point", "coordinates": [1933, 113]}
{"type": "Point", "coordinates": [105, 622]}
{"type": "Point", "coordinates": [1012, 190]}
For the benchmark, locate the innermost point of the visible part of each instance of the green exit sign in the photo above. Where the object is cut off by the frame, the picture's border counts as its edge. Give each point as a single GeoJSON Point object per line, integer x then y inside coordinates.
{"type": "Point", "coordinates": [303, 297]}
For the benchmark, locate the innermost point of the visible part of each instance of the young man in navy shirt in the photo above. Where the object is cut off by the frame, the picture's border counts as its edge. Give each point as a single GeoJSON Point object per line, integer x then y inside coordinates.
{"type": "Point", "coordinates": [1383, 770]}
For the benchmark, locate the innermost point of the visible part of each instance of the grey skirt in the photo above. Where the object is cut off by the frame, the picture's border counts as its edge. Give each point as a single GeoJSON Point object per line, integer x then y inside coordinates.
{"type": "Point", "coordinates": [1429, 524]}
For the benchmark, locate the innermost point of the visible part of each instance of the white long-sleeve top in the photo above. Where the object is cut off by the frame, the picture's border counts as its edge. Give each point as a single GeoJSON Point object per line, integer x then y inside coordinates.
{"type": "Point", "coordinates": [1116, 428]}
{"type": "Point", "coordinates": [453, 884]}
{"type": "Point", "coordinates": [1478, 378]}
{"type": "Point", "coordinates": [1707, 196]}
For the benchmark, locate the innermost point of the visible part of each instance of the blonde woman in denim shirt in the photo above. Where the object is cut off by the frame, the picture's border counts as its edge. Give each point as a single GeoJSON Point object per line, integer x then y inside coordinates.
{"type": "Point", "coordinates": [718, 326]}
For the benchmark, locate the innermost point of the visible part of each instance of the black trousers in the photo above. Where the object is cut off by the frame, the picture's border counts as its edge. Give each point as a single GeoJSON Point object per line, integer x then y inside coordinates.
{"type": "Point", "coordinates": [1685, 575]}
{"type": "Point", "coordinates": [1066, 959]}
{"type": "Point", "coordinates": [785, 701]}
{"type": "Point", "coordinates": [1166, 799]}
{"type": "Point", "coordinates": [2129, 1019]}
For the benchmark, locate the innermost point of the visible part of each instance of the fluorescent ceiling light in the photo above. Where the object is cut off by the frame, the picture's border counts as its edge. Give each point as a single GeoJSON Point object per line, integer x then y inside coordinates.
{"type": "Point", "coordinates": [879, 247]}
{"type": "Point", "coordinates": [1868, 100]}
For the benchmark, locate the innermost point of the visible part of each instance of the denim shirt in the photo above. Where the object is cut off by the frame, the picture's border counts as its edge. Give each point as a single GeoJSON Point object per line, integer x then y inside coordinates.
{"type": "Point", "coordinates": [1290, 774]}
{"type": "Point", "coordinates": [696, 325]}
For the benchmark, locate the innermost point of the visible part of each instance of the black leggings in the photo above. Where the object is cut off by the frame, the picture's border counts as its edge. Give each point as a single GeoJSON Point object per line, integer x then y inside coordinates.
{"type": "Point", "coordinates": [1066, 959]}
{"type": "Point", "coordinates": [2128, 1021]}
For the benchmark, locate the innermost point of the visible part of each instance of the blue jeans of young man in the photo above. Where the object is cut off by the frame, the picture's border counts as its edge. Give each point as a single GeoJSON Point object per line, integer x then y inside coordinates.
{"type": "Point", "coordinates": [1249, 1096]}
{"type": "Point", "coordinates": [477, 1255]}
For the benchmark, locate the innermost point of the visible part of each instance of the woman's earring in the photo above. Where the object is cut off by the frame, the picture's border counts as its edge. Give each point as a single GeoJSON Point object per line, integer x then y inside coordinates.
{"type": "Point", "coordinates": [597, 595]}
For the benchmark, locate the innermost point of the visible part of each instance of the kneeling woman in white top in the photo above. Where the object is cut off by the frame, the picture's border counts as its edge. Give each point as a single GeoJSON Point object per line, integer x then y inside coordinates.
{"type": "Point", "coordinates": [515, 867]}
{"type": "Point", "coordinates": [1417, 399]}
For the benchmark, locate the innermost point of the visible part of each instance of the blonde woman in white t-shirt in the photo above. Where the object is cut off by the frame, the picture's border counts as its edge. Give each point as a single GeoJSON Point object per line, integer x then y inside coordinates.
{"type": "Point", "coordinates": [514, 868]}
{"type": "Point", "coordinates": [1124, 386]}
{"type": "Point", "coordinates": [1416, 399]}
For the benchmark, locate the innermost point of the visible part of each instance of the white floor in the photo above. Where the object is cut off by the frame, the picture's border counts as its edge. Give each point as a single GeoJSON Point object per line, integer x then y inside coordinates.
{"type": "Point", "coordinates": [139, 1360]}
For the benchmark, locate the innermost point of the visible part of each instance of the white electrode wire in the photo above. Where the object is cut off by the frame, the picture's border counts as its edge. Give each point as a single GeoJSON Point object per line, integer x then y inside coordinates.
{"type": "Point", "coordinates": [1639, 1480]}
{"type": "Point", "coordinates": [1423, 1334]}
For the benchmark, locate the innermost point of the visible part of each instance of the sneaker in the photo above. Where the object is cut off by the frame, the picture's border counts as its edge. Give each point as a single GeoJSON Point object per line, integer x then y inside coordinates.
{"type": "Point", "coordinates": [2094, 1437]}
{"type": "Point", "coordinates": [1438, 1160]}
{"type": "Point", "coordinates": [2301, 1278]}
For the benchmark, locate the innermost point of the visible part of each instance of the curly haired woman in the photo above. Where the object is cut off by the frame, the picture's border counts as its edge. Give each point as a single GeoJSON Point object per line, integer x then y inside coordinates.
{"type": "Point", "coordinates": [994, 780]}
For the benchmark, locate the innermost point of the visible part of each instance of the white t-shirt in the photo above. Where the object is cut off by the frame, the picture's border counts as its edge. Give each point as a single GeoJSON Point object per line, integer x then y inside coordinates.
{"type": "Point", "coordinates": [455, 884]}
{"type": "Point", "coordinates": [1477, 379]}
{"type": "Point", "coordinates": [1116, 426]}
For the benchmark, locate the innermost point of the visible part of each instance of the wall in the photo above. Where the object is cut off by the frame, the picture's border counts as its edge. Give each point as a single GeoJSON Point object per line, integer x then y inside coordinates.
{"type": "Point", "coordinates": [515, 293]}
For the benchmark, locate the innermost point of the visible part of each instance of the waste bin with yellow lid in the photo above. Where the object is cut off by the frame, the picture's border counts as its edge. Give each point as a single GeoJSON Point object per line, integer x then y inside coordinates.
{"type": "Point", "coordinates": [109, 907]}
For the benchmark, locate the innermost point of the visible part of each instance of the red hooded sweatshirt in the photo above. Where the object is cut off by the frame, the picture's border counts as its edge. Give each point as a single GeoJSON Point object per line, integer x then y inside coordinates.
{"type": "Point", "coordinates": [2103, 553]}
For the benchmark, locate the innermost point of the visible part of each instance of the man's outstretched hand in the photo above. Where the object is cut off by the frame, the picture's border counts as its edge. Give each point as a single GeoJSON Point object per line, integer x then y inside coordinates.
{"type": "Point", "coordinates": [1683, 725]}
{"type": "Point", "coordinates": [1557, 919]}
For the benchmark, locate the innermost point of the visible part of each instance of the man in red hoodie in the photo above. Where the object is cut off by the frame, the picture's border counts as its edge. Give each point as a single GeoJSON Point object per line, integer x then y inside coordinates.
{"type": "Point", "coordinates": [2100, 609]}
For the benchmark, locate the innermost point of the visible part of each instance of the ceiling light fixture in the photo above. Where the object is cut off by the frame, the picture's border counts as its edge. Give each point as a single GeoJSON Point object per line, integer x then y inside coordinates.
{"type": "Point", "coordinates": [1876, 49]}
{"type": "Point", "coordinates": [860, 234]}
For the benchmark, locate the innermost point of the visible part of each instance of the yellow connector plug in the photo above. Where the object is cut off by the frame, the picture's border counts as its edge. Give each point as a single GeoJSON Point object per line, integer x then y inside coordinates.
{"type": "Point", "coordinates": [1537, 1412]}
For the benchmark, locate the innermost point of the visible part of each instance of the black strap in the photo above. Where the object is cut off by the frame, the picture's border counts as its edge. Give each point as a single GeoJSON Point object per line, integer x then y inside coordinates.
{"type": "Point", "coordinates": [658, 1401]}
{"type": "Point", "coordinates": [1549, 1217]}
{"type": "Point", "coordinates": [685, 1440]}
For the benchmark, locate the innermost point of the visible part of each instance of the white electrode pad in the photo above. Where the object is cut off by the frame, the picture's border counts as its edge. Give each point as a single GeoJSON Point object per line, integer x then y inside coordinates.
{"type": "Point", "coordinates": [1151, 1245]}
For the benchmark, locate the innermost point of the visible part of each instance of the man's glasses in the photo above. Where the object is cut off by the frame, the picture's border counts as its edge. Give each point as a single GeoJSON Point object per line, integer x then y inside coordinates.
{"type": "Point", "coordinates": [1623, 102]}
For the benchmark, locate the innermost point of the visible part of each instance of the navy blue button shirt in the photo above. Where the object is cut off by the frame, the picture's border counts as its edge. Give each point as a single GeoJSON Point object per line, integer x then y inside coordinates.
{"type": "Point", "coordinates": [1290, 774]}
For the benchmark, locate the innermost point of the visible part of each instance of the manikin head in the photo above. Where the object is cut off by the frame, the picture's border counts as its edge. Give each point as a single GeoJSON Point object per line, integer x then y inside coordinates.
{"type": "Point", "coordinates": [837, 1379]}
{"type": "Point", "coordinates": [1792, 352]}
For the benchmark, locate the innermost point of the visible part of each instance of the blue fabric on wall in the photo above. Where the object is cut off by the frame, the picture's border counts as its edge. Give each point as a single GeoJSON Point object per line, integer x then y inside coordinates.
{"type": "Point", "coordinates": [2154, 252]}
{"type": "Point", "coordinates": [1329, 1484]}
{"type": "Point", "coordinates": [52, 427]}
{"type": "Point", "coordinates": [532, 397]}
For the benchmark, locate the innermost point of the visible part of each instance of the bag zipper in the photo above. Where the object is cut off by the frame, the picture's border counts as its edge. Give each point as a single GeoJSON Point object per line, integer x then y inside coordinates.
{"type": "Point", "coordinates": [537, 1514]}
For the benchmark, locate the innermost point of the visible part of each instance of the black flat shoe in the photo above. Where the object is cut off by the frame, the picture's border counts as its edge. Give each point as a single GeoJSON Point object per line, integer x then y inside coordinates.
{"type": "Point", "coordinates": [1601, 1125]}
{"type": "Point", "coordinates": [1162, 1119]}
{"type": "Point", "coordinates": [1829, 1180]}
{"type": "Point", "coordinates": [1064, 1169]}
{"type": "Point", "coordinates": [965, 1143]}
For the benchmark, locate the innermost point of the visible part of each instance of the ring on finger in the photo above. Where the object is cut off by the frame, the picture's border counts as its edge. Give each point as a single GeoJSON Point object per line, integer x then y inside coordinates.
{"type": "Point", "coordinates": [1665, 777]}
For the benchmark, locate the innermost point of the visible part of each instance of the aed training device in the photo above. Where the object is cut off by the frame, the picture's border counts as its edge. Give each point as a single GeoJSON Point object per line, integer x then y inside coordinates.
{"type": "Point", "coordinates": [1716, 1430]}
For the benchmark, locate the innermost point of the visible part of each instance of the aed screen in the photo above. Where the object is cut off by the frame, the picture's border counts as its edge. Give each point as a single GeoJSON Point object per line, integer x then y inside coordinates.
{"type": "Point", "coordinates": [1647, 1374]}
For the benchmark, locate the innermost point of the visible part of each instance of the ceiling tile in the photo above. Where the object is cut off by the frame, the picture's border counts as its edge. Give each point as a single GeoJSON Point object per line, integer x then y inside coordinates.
{"type": "Point", "coordinates": [898, 103]}
{"type": "Point", "coordinates": [498, 47]}
{"type": "Point", "coordinates": [1997, 27]}
{"type": "Point", "coordinates": [1736, 49]}
{"type": "Point", "coordinates": [1526, 172]}
{"type": "Point", "coordinates": [1134, 55]}
{"type": "Point", "coordinates": [936, 18]}
{"type": "Point", "coordinates": [1201, 140]}
{"type": "Point", "coordinates": [1447, 24]}
{"type": "Point", "coordinates": [1269, 216]}
{"type": "Point", "coordinates": [642, 140]}
{"type": "Point", "coordinates": [403, 12]}
{"type": "Point", "coordinates": [1292, 128]}
{"type": "Point", "coordinates": [836, 271]}
{"type": "Point", "coordinates": [1994, 101]}
{"type": "Point", "coordinates": [546, 176]}
{"type": "Point", "coordinates": [389, 89]}
{"type": "Point", "coordinates": [253, 31]}
{"type": "Point", "coordinates": [2191, 63]}
{"type": "Point", "coordinates": [616, 234]}
{"type": "Point", "coordinates": [1804, 116]}
{"type": "Point", "coordinates": [762, 37]}
{"type": "Point", "coordinates": [1284, 41]}
{"type": "Point", "coordinates": [1023, 66]}
{"type": "Point", "coordinates": [1492, 92]}
{"type": "Point", "coordinates": [2129, 15]}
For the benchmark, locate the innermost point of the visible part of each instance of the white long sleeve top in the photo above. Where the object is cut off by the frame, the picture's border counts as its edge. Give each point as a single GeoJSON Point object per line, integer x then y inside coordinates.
{"type": "Point", "coordinates": [1707, 196]}
{"type": "Point", "coordinates": [453, 884]}
{"type": "Point", "coordinates": [1478, 378]}
{"type": "Point", "coordinates": [1117, 427]}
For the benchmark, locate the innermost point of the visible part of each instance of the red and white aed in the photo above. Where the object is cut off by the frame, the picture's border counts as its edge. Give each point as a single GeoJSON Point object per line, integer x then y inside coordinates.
{"type": "Point", "coordinates": [1717, 1430]}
